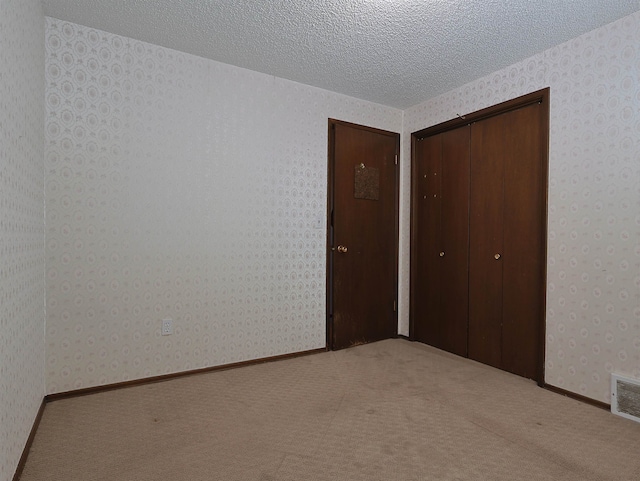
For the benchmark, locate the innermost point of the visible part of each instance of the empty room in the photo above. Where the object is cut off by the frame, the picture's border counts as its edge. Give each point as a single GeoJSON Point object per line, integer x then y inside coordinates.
{"type": "Point", "coordinates": [341, 240]}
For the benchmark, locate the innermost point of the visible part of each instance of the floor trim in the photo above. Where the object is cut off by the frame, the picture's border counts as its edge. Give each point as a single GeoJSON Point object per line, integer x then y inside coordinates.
{"type": "Point", "coordinates": [27, 446]}
{"type": "Point", "coordinates": [166, 377]}
{"type": "Point", "coordinates": [578, 397]}
{"type": "Point", "coordinates": [138, 382]}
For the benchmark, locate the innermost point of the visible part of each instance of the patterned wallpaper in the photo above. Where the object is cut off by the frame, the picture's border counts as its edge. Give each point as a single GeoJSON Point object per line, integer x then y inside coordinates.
{"type": "Point", "coordinates": [593, 295]}
{"type": "Point", "coordinates": [175, 189]}
{"type": "Point", "coordinates": [182, 188]}
{"type": "Point", "coordinates": [22, 263]}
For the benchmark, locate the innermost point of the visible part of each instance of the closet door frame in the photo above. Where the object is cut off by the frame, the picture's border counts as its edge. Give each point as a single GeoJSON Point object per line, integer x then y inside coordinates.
{"type": "Point", "coordinates": [541, 97]}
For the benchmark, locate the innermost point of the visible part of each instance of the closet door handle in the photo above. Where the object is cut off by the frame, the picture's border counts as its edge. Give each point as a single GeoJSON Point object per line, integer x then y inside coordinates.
{"type": "Point", "coordinates": [497, 256]}
{"type": "Point", "coordinates": [442, 254]}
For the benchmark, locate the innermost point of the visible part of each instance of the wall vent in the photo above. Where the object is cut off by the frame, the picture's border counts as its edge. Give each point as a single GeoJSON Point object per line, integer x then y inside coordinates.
{"type": "Point", "coordinates": [625, 397]}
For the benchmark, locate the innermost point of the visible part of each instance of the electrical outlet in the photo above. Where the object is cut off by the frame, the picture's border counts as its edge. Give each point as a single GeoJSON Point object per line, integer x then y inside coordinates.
{"type": "Point", "coordinates": [167, 327]}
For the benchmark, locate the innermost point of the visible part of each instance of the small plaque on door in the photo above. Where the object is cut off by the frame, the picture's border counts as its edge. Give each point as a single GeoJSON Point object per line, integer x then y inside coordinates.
{"type": "Point", "coordinates": [367, 183]}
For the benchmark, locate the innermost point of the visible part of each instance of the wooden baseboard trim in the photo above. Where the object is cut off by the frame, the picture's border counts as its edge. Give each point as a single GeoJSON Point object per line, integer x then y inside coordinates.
{"type": "Point", "coordinates": [137, 382]}
{"type": "Point", "coordinates": [578, 397]}
{"type": "Point", "coordinates": [166, 377]}
{"type": "Point", "coordinates": [27, 446]}
{"type": "Point", "coordinates": [402, 336]}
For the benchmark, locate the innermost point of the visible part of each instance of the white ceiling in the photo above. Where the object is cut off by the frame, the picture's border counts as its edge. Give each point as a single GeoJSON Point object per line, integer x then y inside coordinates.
{"type": "Point", "coordinates": [393, 52]}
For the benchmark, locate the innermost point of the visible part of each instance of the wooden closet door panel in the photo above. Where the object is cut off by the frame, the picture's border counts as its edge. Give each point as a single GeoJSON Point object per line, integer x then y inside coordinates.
{"type": "Point", "coordinates": [506, 235]}
{"type": "Point", "coordinates": [454, 280]}
{"type": "Point", "coordinates": [426, 302]}
{"type": "Point", "coordinates": [524, 240]}
{"type": "Point", "coordinates": [486, 240]}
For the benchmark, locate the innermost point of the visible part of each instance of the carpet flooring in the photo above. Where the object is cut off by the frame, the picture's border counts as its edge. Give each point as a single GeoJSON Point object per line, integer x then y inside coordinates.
{"type": "Point", "coordinates": [391, 410]}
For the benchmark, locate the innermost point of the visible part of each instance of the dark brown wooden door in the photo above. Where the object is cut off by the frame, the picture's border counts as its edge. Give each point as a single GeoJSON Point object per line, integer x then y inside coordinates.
{"type": "Point", "coordinates": [442, 231]}
{"type": "Point", "coordinates": [363, 237]}
{"type": "Point", "coordinates": [505, 209]}
{"type": "Point", "coordinates": [507, 240]}
{"type": "Point", "coordinates": [486, 241]}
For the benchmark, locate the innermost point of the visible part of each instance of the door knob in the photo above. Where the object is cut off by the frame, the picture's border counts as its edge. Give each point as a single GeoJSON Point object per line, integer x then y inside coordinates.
{"type": "Point", "coordinates": [342, 249]}
{"type": "Point", "coordinates": [442, 254]}
{"type": "Point", "coordinates": [497, 256]}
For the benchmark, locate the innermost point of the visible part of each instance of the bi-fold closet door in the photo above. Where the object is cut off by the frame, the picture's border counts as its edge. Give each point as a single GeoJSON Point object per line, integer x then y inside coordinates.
{"type": "Point", "coordinates": [441, 261]}
{"type": "Point", "coordinates": [479, 236]}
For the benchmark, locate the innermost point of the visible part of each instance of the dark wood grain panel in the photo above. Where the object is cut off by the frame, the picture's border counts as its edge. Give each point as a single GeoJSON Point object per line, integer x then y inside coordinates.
{"type": "Point", "coordinates": [506, 236]}
{"type": "Point", "coordinates": [428, 172]}
{"type": "Point", "coordinates": [363, 291]}
{"type": "Point", "coordinates": [486, 241]}
{"type": "Point", "coordinates": [454, 280]}
{"type": "Point", "coordinates": [525, 236]}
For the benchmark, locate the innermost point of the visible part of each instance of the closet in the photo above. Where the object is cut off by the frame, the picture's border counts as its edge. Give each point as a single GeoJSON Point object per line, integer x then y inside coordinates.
{"type": "Point", "coordinates": [478, 234]}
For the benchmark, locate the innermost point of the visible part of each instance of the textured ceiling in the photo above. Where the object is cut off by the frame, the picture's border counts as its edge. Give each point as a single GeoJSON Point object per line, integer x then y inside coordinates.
{"type": "Point", "coordinates": [393, 52]}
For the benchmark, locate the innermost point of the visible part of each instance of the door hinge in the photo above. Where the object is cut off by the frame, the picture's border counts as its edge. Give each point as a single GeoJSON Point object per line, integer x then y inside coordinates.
{"type": "Point", "coordinates": [395, 306]}
{"type": "Point", "coordinates": [396, 159]}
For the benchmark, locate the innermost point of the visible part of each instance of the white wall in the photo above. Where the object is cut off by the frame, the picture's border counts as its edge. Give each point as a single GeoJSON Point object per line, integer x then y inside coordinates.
{"type": "Point", "coordinates": [22, 385]}
{"type": "Point", "coordinates": [593, 295]}
{"type": "Point", "coordinates": [178, 187]}
{"type": "Point", "coordinates": [184, 188]}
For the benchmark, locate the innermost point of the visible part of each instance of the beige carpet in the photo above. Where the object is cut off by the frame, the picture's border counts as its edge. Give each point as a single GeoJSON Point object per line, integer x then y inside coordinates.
{"type": "Point", "coordinates": [392, 410]}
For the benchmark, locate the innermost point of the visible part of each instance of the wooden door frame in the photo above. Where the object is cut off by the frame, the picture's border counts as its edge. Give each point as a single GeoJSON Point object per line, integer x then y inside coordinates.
{"type": "Point", "coordinates": [541, 97]}
{"type": "Point", "coordinates": [330, 206]}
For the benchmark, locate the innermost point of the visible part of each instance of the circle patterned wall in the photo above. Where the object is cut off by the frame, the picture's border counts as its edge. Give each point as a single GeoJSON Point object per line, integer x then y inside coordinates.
{"type": "Point", "coordinates": [22, 262]}
{"type": "Point", "coordinates": [182, 188]}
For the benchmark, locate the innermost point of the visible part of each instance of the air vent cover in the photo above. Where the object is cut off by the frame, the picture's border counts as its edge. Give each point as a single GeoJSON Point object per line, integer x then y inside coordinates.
{"type": "Point", "coordinates": [625, 397]}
